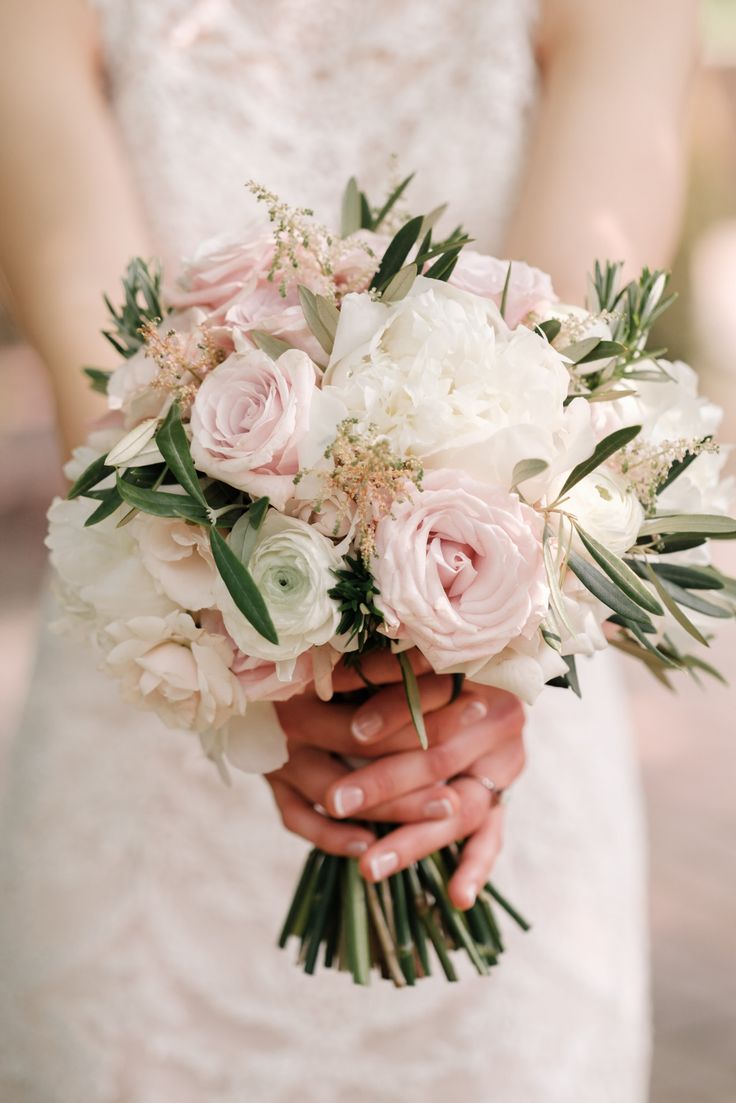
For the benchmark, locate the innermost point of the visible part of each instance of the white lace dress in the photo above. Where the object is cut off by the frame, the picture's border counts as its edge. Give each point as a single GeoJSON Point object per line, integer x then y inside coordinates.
{"type": "Point", "coordinates": [140, 899]}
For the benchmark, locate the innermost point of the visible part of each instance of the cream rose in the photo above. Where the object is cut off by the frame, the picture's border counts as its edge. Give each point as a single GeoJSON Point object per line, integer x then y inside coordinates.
{"type": "Point", "coordinates": [460, 572]}
{"type": "Point", "coordinates": [292, 566]}
{"type": "Point", "coordinates": [178, 670]}
{"type": "Point", "coordinates": [178, 556]}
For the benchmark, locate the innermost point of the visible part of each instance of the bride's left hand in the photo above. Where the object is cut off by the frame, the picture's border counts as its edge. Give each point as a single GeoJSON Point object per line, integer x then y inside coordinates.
{"type": "Point", "coordinates": [478, 735]}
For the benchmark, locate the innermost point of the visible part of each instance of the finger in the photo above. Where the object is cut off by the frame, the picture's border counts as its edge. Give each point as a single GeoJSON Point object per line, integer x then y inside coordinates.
{"type": "Point", "coordinates": [436, 802]}
{"type": "Point", "coordinates": [388, 712]}
{"type": "Point", "coordinates": [476, 860]}
{"type": "Point", "coordinates": [312, 722]}
{"type": "Point", "coordinates": [311, 772]}
{"type": "Point", "coordinates": [298, 816]}
{"type": "Point", "coordinates": [409, 844]}
{"type": "Point", "coordinates": [376, 668]}
{"type": "Point", "coordinates": [502, 710]}
{"type": "Point", "coordinates": [395, 775]}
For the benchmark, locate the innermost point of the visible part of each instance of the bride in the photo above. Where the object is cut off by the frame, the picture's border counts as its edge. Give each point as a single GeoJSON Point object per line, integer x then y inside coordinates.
{"type": "Point", "coordinates": [140, 898]}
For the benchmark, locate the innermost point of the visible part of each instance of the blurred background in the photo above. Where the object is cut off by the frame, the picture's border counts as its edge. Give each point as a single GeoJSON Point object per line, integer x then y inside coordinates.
{"type": "Point", "coordinates": [687, 742]}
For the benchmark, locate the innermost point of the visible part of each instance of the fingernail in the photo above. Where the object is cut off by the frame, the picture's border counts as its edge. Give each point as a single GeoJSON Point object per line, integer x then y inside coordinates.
{"type": "Point", "coordinates": [366, 726]}
{"type": "Point", "coordinates": [438, 809]}
{"type": "Point", "coordinates": [474, 711]}
{"type": "Point", "coordinates": [383, 865]}
{"type": "Point", "coordinates": [348, 799]}
{"type": "Point", "coordinates": [356, 848]}
{"type": "Point", "coordinates": [471, 894]}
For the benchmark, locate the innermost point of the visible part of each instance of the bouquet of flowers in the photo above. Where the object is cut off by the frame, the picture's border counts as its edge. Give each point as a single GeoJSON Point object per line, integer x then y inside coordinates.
{"type": "Point", "coordinates": [319, 445]}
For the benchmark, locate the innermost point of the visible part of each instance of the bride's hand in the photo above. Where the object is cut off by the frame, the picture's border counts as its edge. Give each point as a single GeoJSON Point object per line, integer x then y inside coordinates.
{"type": "Point", "coordinates": [479, 735]}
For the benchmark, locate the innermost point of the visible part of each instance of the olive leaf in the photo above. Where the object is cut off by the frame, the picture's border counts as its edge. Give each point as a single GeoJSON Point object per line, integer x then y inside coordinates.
{"type": "Point", "coordinates": [244, 533]}
{"type": "Point", "coordinates": [676, 524]}
{"type": "Point", "coordinates": [242, 588]}
{"type": "Point", "coordinates": [620, 573]}
{"type": "Point", "coordinates": [605, 448]}
{"type": "Point", "coordinates": [161, 503]}
{"type": "Point", "coordinates": [527, 469]}
{"type": "Point", "coordinates": [174, 447]}
{"type": "Point", "coordinates": [321, 316]}
{"type": "Point", "coordinates": [351, 219]}
{"type": "Point", "coordinates": [401, 284]}
{"type": "Point", "coordinates": [266, 342]}
{"type": "Point", "coordinates": [413, 697]}
{"type": "Point", "coordinates": [671, 605]}
{"type": "Point", "coordinates": [90, 477]}
{"type": "Point", "coordinates": [607, 591]}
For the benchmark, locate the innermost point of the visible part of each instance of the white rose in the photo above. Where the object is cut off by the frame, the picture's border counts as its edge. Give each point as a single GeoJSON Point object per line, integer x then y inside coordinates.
{"type": "Point", "coordinates": [178, 556]}
{"type": "Point", "coordinates": [100, 569]}
{"type": "Point", "coordinates": [444, 378]}
{"type": "Point", "coordinates": [607, 509]}
{"type": "Point", "coordinates": [292, 567]}
{"type": "Point", "coordinates": [179, 671]}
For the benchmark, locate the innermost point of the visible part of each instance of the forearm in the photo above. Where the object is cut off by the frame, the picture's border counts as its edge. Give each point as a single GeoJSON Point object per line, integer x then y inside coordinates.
{"type": "Point", "coordinates": [607, 168]}
{"type": "Point", "coordinates": [71, 218]}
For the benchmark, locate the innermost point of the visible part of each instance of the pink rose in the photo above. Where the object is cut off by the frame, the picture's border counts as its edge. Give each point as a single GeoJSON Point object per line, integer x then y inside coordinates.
{"type": "Point", "coordinates": [460, 572]}
{"type": "Point", "coordinates": [259, 678]}
{"type": "Point", "coordinates": [264, 308]}
{"type": "Point", "coordinates": [248, 420]}
{"type": "Point", "coordinates": [529, 288]}
{"type": "Point", "coordinates": [220, 269]}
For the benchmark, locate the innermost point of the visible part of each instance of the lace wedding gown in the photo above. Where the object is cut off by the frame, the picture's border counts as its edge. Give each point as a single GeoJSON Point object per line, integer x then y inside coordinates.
{"type": "Point", "coordinates": [140, 898]}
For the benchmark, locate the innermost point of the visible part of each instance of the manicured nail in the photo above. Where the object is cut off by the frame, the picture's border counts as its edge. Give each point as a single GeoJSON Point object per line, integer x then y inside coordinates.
{"type": "Point", "coordinates": [348, 800]}
{"type": "Point", "coordinates": [355, 849]}
{"type": "Point", "coordinates": [471, 894]}
{"type": "Point", "coordinates": [439, 809]}
{"type": "Point", "coordinates": [474, 712]}
{"type": "Point", "coordinates": [367, 726]}
{"type": "Point", "coordinates": [383, 865]}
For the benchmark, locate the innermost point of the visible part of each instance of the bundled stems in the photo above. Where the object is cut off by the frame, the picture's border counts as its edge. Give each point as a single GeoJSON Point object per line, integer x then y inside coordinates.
{"type": "Point", "coordinates": [390, 927]}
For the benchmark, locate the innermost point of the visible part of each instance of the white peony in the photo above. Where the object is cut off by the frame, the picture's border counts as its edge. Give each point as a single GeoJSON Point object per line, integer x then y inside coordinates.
{"type": "Point", "coordinates": [292, 566]}
{"type": "Point", "coordinates": [444, 378]}
{"type": "Point", "coordinates": [100, 569]}
{"type": "Point", "coordinates": [523, 668]}
{"type": "Point", "coordinates": [179, 671]}
{"type": "Point", "coordinates": [606, 508]}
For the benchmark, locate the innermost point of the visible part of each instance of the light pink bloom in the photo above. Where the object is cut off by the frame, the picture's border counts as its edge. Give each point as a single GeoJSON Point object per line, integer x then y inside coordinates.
{"type": "Point", "coordinates": [220, 269]}
{"type": "Point", "coordinates": [529, 288]}
{"type": "Point", "coordinates": [460, 572]}
{"type": "Point", "coordinates": [248, 419]}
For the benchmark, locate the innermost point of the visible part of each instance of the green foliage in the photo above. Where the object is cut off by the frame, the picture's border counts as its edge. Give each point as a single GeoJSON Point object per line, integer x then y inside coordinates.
{"type": "Point", "coordinates": [98, 378]}
{"type": "Point", "coordinates": [172, 441]}
{"type": "Point", "coordinates": [605, 448]}
{"type": "Point", "coordinates": [355, 593]}
{"type": "Point", "coordinates": [241, 587]}
{"type": "Point", "coordinates": [142, 305]}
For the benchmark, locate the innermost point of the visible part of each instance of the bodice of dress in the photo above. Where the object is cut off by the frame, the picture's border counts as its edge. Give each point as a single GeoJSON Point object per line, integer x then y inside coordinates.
{"type": "Point", "coordinates": [301, 94]}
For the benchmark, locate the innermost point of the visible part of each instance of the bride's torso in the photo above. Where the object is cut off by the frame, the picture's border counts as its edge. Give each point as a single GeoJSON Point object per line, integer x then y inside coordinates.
{"type": "Point", "coordinates": [301, 94]}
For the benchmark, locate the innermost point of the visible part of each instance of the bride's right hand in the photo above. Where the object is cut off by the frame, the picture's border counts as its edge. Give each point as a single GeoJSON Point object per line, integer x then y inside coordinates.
{"type": "Point", "coordinates": [432, 794]}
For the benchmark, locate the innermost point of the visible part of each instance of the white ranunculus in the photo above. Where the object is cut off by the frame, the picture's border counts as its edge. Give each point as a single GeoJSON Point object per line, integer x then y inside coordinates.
{"type": "Point", "coordinates": [443, 377]}
{"type": "Point", "coordinates": [292, 566]}
{"type": "Point", "coordinates": [179, 671]}
{"type": "Point", "coordinates": [178, 556]}
{"type": "Point", "coordinates": [100, 568]}
{"type": "Point", "coordinates": [607, 509]}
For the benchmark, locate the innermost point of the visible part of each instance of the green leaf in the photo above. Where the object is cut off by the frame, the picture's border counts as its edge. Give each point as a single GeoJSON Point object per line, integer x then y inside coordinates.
{"type": "Point", "coordinates": [690, 578]}
{"type": "Point", "coordinates": [444, 266]}
{"type": "Point", "coordinates": [671, 605]}
{"type": "Point", "coordinates": [244, 534]}
{"type": "Point", "coordinates": [430, 220]}
{"type": "Point", "coordinates": [666, 660]}
{"type": "Point", "coordinates": [392, 200]}
{"type": "Point", "coordinates": [413, 697]}
{"type": "Point", "coordinates": [397, 252]}
{"type": "Point", "coordinates": [676, 524]}
{"type": "Point", "coordinates": [555, 591]}
{"type": "Point", "coordinates": [174, 447]}
{"type": "Point", "coordinates": [694, 662]}
{"type": "Point", "coordinates": [366, 218]}
{"type": "Point", "coordinates": [578, 351]}
{"type": "Point", "coordinates": [401, 284]}
{"type": "Point", "coordinates": [321, 316]}
{"type": "Point", "coordinates": [505, 292]}
{"type": "Point", "coordinates": [550, 329]}
{"type": "Point", "coordinates": [160, 503]}
{"type": "Point", "coordinates": [696, 603]}
{"type": "Point", "coordinates": [91, 476]}
{"type": "Point", "coordinates": [351, 209]}
{"type": "Point", "coordinates": [527, 469]}
{"type": "Point", "coordinates": [106, 508]}
{"type": "Point", "coordinates": [266, 342]}
{"type": "Point", "coordinates": [606, 591]}
{"type": "Point", "coordinates": [98, 378]}
{"type": "Point", "coordinates": [620, 574]}
{"type": "Point", "coordinates": [242, 588]}
{"type": "Point", "coordinates": [610, 444]}
{"type": "Point", "coordinates": [604, 350]}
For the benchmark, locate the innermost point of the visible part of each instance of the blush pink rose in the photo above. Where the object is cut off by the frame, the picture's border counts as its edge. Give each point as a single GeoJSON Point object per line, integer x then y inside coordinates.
{"type": "Point", "coordinates": [529, 288]}
{"type": "Point", "coordinates": [248, 419]}
{"type": "Point", "coordinates": [219, 270]}
{"type": "Point", "coordinates": [259, 678]}
{"type": "Point", "coordinates": [460, 572]}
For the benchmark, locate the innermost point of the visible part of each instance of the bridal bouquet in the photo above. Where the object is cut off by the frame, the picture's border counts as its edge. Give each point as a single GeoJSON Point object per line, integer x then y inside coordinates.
{"type": "Point", "coordinates": [319, 445]}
